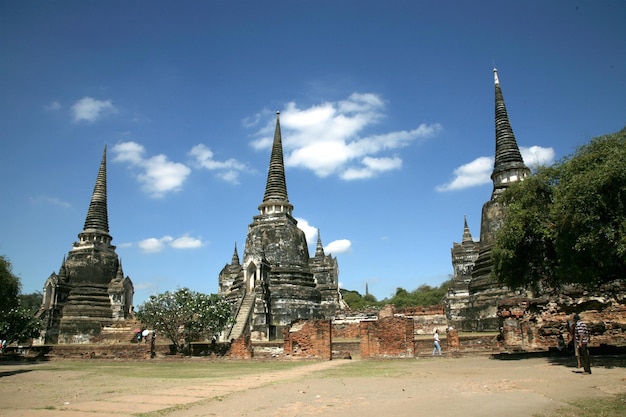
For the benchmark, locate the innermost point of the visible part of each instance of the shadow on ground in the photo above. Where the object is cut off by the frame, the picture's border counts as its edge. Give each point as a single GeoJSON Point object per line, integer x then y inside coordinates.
{"type": "Point", "coordinates": [608, 357]}
{"type": "Point", "coordinates": [15, 372]}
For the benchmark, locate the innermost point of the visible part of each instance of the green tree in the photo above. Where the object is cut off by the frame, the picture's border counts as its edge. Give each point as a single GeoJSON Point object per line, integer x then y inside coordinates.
{"type": "Point", "coordinates": [402, 298]}
{"type": "Point", "coordinates": [17, 323]}
{"type": "Point", "coordinates": [31, 302]}
{"type": "Point", "coordinates": [186, 316]}
{"type": "Point", "coordinates": [356, 301]}
{"type": "Point", "coordinates": [524, 254]}
{"type": "Point", "coordinates": [9, 286]}
{"type": "Point", "coordinates": [567, 223]}
{"type": "Point", "coordinates": [425, 295]}
{"type": "Point", "coordinates": [422, 296]}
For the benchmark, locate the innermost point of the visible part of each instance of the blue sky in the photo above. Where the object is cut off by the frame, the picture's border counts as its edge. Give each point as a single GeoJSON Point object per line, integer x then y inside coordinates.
{"type": "Point", "coordinates": [387, 115]}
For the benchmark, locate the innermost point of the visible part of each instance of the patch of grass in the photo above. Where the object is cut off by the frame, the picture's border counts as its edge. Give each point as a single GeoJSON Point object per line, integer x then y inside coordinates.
{"type": "Point", "coordinates": [368, 369]}
{"type": "Point", "coordinates": [592, 407]}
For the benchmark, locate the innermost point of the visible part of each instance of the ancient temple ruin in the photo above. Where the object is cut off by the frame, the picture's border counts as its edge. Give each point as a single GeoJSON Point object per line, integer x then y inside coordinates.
{"type": "Point", "coordinates": [277, 282]}
{"type": "Point", "coordinates": [90, 291]}
{"type": "Point", "coordinates": [464, 255]}
{"type": "Point", "coordinates": [479, 310]}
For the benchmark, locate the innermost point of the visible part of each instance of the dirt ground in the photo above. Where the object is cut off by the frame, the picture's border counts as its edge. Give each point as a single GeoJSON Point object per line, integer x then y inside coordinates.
{"type": "Point", "coordinates": [433, 387]}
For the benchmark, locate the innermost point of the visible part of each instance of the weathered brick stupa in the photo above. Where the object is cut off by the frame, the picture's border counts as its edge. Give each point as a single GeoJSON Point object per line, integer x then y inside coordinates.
{"type": "Point", "coordinates": [509, 167]}
{"type": "Point", "coordinates": [464, 255]}
{"type": "Point", "coordinates": [90, 291]}
{"type": "Point", "coordinates": [277, 282]}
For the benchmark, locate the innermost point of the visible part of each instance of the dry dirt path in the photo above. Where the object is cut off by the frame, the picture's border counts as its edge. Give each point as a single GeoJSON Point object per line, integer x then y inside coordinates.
{"type": "Point", "coordinates": [444, 387]}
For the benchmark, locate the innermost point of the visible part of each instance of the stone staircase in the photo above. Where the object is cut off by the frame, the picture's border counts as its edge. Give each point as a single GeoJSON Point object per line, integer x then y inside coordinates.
{"type": "Point", "coordinates": [243, 315]}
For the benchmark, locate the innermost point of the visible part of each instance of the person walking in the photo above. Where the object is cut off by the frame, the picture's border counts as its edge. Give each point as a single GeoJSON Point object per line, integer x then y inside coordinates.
{"type": "Point", "coordinates": [437, 347]}
{"type": "Point", "coordinates": [582, 340]}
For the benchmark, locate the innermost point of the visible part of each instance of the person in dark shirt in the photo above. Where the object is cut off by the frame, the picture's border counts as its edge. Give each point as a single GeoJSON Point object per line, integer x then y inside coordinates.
{"type": "Point", "coordinates": [582, 339]}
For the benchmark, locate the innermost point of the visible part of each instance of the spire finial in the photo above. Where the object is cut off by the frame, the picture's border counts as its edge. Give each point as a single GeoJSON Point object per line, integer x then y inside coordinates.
{"type": "Point", "coordinates": [509, 165]}
{"type": "Point", "coordinates": [319, 249]}
{"type": "Point", "coordinates": [276, 186]}
{"type": "Point", "coordinates": [97, 215]}
{"type": "Point", "coordinates": [467, 236]}
{"type": "Point", "coordinates": [495, 75]}
{"type": "Point", "coordinates": [235, 259]}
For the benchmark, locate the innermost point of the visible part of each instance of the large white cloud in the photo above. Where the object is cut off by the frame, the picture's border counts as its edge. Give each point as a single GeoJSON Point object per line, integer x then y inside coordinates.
{"type": "Point", "coordinates": [331, 139]}
{"type": "Point", "coordinates": [158, 175]}
{"type": "Point", "coordinates": [155, 245]}
{"type": "Point", "coordinates": [536, 156]}
{"type": "Point", "coordinates": [338, 246]}
{"type": "Point", "coordinates": [89, 109]}
{"type": "Point", "coordinates": [478, 171]}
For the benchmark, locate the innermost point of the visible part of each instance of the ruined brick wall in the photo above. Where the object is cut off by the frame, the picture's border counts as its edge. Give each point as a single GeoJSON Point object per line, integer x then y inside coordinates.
{"type": "Point", "coordinates": [426, 318]}
{"type": "Point", "coordinates": [452, 339]}
{"type": "Point", "coordinates": [241, 348]}
{"type": "Point", "coordinates": [535, 323]}
{"type": "Point", "coordinates": [386, 311]}
{"type": "Point", "coordinates": [309, 339]}
{"type": "Point", "coordinates": [390, 337]}
{"type": "Point", "coordinates": [344, 330]}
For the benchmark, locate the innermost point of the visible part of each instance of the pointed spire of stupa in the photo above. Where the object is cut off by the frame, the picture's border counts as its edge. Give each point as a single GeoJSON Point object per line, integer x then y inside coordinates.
{"type": "Point", "coordinates": [97, 215]}
{"type": "Point", "coordinates": [276, 187]}
{"type": "Point", "coordinates": [467, 236]}
{"type": "Point", "coordinates": [319, 249]}
{"type": "Point", "coordinates": [119, 276]}
{"type": "Point", "coordinates": [96, 229]}
{"type": "Point", "coordinates": [509, 165]}
{"type": "Point", "coordinates": [63, 272]}
{"type": "Point", "coordinates": [235, 258]}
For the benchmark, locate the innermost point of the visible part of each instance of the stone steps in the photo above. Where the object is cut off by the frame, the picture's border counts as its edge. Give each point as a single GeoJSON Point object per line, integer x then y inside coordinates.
{"type": "Point", "coordinates": [241, 320]}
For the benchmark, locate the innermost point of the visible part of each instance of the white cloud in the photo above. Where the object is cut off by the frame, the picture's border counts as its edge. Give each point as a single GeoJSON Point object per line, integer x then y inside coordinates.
{"type": "Point", "coordinates": [162, 176]}
{"type": "Point", "coordinates": [186, 242]}
{"type": "Point", "coordinates": [536, 156]}
{"type": "Point", "coordinates": [89, 109]}
{"type": "Point", "coordinates": [335, 247]}
{"type": "Point", "coordinates": [372, 166]}
{"type": "Point", "coordinates": [331, 138]}
{"type": "Point", "coordinates": [478, 172]}
{"type": "Point", "coordinates": [154, 245]}
{"type": "Point", "coordinates": [309, 231]}
{"type": "Point", "coordinates": [129, 152]}
{"type": "Point", "coordinates": [43, 199]}
{"type": "Point", "coordinates": [226, 170]}
{"type": "Point", "coordinates": [338, 246]}
{"type": "Point", "coordinates": [158, 175]}
{"type": "Point", "coordinates": [474, 173]}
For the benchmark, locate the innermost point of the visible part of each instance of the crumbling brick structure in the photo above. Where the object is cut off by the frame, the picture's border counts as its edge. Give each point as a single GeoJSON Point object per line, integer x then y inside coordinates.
{"type": "Point", "coordinates": [537, 323]}
{"type": "Point", "coordinates": [241, 348]}
{"type": "Point", "coordinates": [309, 339]}
{"type": "Point", "coordinates": [346, 330]}
{"type": "Point", "coordinates": [389, 337]}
